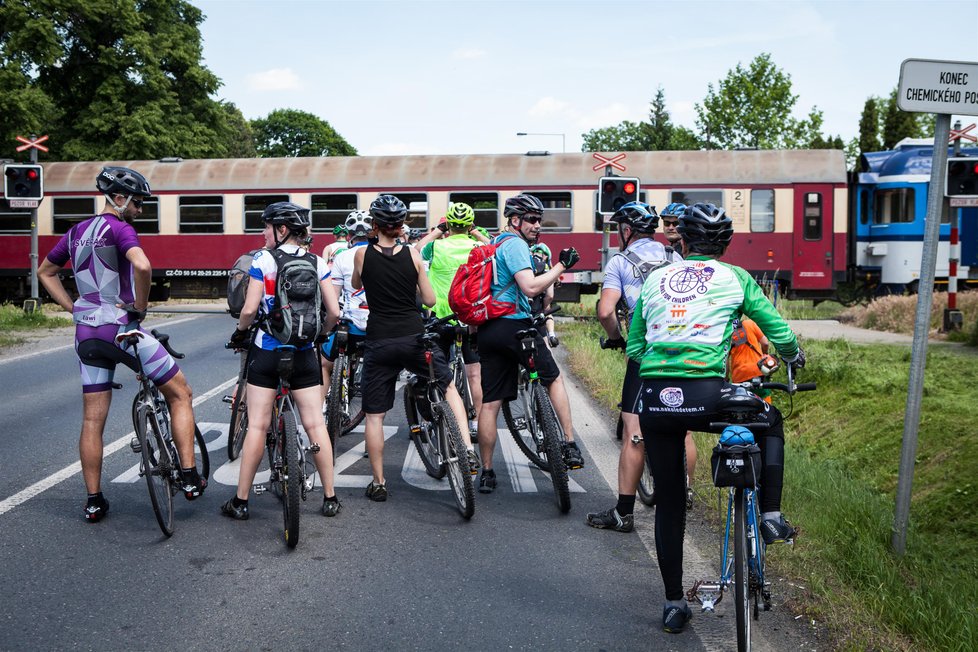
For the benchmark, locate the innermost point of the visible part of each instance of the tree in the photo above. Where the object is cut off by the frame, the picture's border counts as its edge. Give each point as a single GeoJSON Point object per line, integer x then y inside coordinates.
{"type": "Point", "coordinates": [657, 134]}
{"type": "Point", "coordinates": [899, 124]}
{"type": "Point", "coordinates": [109, 79]}
{"type": "Point", "coordinates": [659, 126]}
{"type": "Point", "coordinates": [869, 126]}
{"type": "Point", "coordinates": [241, 140]}
{"type": "Point", "coordinates": [684, 139]}
{"type": "Point", "coordinates": [287, 132]}
{"type": "Point", "coordinates": [624, 137]}
{"type": "Point", "coordinates": [752, 108]}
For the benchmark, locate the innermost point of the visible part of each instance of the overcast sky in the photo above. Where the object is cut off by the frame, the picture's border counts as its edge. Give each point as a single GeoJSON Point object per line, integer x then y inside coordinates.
{"type": "Point", "coordinates": [465, 76]}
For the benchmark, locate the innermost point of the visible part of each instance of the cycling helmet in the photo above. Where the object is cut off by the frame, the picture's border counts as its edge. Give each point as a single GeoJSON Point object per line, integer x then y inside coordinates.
{"type": "Point", "coordinates": [388, 210]}
{"type": "Point", "coordinates": [541, 249]}
{"type": "Point", "coordinates": [521, 205]}
{"type": "Point", "coordinates": [341, 229]}
{"type": "Point", "coordinates": [358, 224]}
{"type": "Point", "coordinates": [674, 209]}
{"type": "Point", "coordinates": [460, 214]}
{"type": "Point", "coordinates": [416, 234]}
{"type": "Point", "coordinates": [285, 212]}
{"type": "Point", "coordinates": [641, 217]}
{"type": "Point", "coordinates": [122, 181]}
{"type": "Point", "coordinates": [705, 228]}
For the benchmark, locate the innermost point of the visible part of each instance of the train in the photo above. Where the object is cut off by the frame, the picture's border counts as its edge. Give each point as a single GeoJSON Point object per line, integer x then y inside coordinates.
{"type": "Point", "coordinates": [803, 223]}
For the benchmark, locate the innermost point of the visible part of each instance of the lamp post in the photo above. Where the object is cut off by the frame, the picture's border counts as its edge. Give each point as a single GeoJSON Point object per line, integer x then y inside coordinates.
{"type": "Point", "coordinates": [563, 139]}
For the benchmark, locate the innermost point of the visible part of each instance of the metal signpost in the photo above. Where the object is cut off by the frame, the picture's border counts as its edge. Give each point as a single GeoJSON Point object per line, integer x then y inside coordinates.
{"type": "Point", "coordinates": [944, 88]}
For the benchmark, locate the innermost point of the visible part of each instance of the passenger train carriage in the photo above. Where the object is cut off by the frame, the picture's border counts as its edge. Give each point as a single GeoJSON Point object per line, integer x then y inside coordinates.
{"type": "Point", "coordinates": [789, 207]}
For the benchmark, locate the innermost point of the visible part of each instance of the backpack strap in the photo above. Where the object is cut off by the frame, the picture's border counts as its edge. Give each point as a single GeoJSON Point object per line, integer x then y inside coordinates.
{"type": "Point", "coordinates": [495, 273]}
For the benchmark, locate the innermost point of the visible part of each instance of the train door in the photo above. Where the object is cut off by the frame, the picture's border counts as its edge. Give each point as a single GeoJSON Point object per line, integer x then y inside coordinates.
{"type": "Point", "coordinates": [812, 237]}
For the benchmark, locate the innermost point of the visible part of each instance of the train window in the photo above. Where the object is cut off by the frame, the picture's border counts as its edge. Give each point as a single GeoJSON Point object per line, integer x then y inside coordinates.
{"type": "Point", "coordinates": [331, 210]}
{"type": "Point", "coordinates": [865, 207]}
{"type": "Point", "coordinates": [813, 216]}
{"type": "Point", "coordinates": [14, 220]}
{"type": "Point", "coordinates": [202, 214]}
{"type": "Point", "coordinates": [148, 220]}
{"type": "Point", "coordinates": [556, 210]}
{"type": "Point", "coordinates": [697, 196]}
{"type": "Point", "coordinates": [893, 205]}
{"type": "Point", "coordinates": [254, 206]}
{"type": "Point", "coordinates": [69, 211]}
{"type": "Point", "coordinates": [762, 210]}
{"type": "Point", "coordinates": [485, 205]}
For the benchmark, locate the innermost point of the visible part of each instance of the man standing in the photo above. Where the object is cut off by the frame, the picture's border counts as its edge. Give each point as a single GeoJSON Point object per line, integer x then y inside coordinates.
{"type": "Point", "coordinates": [113, 275]}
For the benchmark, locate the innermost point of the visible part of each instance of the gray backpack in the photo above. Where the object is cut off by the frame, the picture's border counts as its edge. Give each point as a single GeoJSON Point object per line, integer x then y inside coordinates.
{"type": "Point", "coordinates": [238, 279]}
{"type": "Point", "coordinates": [641, 269]}
{"type": "Point", "coordinates": [295, 317]}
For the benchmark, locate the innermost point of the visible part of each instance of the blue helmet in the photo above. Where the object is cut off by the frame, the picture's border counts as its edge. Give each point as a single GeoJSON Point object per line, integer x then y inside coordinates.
{"type": "Point", "coordinates": [674, 209]}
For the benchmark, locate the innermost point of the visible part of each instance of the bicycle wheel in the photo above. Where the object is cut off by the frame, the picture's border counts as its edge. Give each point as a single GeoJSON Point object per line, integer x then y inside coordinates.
{"type": "Point", "coordinates": [462, 385]}
{"type": "Point", "coordinates": [525, 428]}
{"type": "Point", "coordinates": [291, 478]}
{"type": "Point", "coordinates": [553, 444]}
{"type": "Point", "coordinates": [422, 434]}
{"type": "Point", "coordinates": [238, 425]}
{"type": "Point", "coordinates": [334, 404]}
{"type": "Point", "coordinates": [202, 457]}
{"type": "Point", "coordinates": [741, 576]}
{"type": "Point", "coordinates": [646, 486]}
{"type": "Point", "coordinates": [157, 468]}
{"type": "Point", "coordinates": [353, 399]}
{"type": "Point", "coordinates": [456, 462]}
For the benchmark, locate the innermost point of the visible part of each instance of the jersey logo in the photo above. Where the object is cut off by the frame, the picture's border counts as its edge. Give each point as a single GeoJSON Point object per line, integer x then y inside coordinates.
{"type": "Point", "coordinates": [685, 284]}
{"type": "Point", "coordinates": [672, 397]}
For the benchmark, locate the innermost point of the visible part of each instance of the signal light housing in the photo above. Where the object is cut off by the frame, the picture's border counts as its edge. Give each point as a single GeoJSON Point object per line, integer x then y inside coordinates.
{"type": "Point", "coordinates": [23, 182]}
{"type": "Point", "coordinates": [615, 192]}
{"type": "Point", "coordinates": [962, 177]}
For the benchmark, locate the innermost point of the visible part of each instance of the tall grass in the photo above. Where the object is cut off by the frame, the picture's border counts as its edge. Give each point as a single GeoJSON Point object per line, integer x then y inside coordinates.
{"type": "Point", "coordinates": [14, 319]}
{"type": "Point", "coordinates": [896, 314]}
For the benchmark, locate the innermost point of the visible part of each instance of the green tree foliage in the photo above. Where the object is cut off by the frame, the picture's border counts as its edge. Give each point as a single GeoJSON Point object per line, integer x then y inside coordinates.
{"type": "Point", "coordinates": [869, 126]}
{"type": "Point", "coordinates": [241, 143]}
{"type": "Point", "coordinates": [624, 137]}
{"type": "Point", "coordinates": [287, 132]}
{"type": "Point", "coordinates": [898, 124]}
{"type": "Point", "coordinates": [752, 107]}
{"type": "Point", "coordinates": [657, 134]}
{"type": "Point", "coordinates": [110, 79]}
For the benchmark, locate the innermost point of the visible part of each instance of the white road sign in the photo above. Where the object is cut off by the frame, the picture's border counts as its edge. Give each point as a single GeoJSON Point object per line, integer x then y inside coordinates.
{"type": "Point", "coordinates": [946, 87]}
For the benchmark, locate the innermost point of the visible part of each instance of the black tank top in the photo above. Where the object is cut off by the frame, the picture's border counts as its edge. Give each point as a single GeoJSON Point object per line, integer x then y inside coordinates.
{"type": "Point", "coordinates": [391, 283]}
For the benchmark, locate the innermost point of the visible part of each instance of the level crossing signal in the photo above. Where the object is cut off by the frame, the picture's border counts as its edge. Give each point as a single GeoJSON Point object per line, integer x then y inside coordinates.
{"type": "Point", "coordinates": [615, 192]}
{"type": "Point", "coordinates": [23, 182]}
{"type": "Point", "coordinates": [962, 177]}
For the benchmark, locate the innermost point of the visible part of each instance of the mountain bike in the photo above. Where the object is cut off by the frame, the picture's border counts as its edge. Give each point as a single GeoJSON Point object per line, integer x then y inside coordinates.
{"type": "Point", "coordinates": [344, 410]}
{"type": "Point", "coordinates": [238, 426]}
{"type": "Point", "coordinates": [737, 467]}
{"type": "Point", "coordinates": [457, 363]}
{"type": "Point", "coordinates": [160, 463]}
{"type": "Point", "coordinates": [433, 427]}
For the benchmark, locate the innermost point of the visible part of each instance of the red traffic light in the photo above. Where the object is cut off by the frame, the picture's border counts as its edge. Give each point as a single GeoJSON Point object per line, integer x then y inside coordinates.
{"type": "Point", "coordinates": [32, 175]}
{"type": "Point", "coordinates": [629, 188]}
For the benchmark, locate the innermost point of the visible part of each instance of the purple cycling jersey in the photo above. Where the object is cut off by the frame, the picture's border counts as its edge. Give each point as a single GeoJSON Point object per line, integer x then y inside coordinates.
{"type": "Point", "coordinates": [103, 275]}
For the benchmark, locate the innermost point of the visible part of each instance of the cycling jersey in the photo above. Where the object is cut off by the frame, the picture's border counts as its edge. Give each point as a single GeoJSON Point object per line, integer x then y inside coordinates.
{"type": "Point", "coordinates": [264, 269]}
{"type": "Point", "coordinates": [103, 275]}
{"type": "Point", "coordinates": [512, 256]}
{"type": "Point", "coordinates": [445, 256]}
{"type": "Point", "coordinates": [621, 275]}
{"type": "Point", "coordinates": [354, 301]}
{"type": "Point", "coordinates": [682, 321]}
{"type": "Point", "coordinates": [333, 249]}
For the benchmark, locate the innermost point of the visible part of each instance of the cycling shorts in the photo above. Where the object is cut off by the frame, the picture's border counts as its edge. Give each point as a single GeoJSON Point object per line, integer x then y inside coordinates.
{"type": "Point", "coordinates": [263, 368]}
{"type": "Point", "coordinates": [98, 355]}
{"type": "Point", "coordinates": [501, 354]}
{"type": "Point", "coordinates": [631, 387]}
{"type": "Point", "coordinates": [384, 359]}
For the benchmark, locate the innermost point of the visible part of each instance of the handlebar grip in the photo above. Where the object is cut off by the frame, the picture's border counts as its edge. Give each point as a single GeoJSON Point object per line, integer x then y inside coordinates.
{"type": "Point", "coordinates": [164, 340]}
{"type": "Point", "coordinates": [805, 387]}
{"type": "Point", "coordinates": [552, 309]}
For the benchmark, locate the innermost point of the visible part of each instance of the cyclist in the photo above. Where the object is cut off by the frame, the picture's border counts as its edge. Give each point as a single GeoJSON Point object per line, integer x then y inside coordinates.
{"type": "Point", "coordinates": [353, 302]}
{"type": "Point", "coordinates": [541, 303]}
{"type": "Point", "coordinates": [340, 244]}
{"type": "Point", "coordinates": [286, 225]}
{"type": "Point", "coordinates": [680, 335]}
{"type": "Point", "coordinates": [392, 275]}
{"type": "Point", "coordinates": [623, 278]}
{"type": "Point", "coordinates": [113, 275]}
{"type": "Point", "coordinates": [499, 350]}
{"type": "Point", "coordinates": [445, 248]}
{"type": "Point", "coordinates": [670, 221]}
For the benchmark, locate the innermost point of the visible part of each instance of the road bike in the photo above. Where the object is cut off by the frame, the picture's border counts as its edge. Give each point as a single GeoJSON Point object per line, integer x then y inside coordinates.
{"type": "Point", "coordinates": [238, 426]}
{"type": "Point", "coordinates": [159, 460]}
{"type": "Point", "coordinates": [433, 427]}
{"type": "Point", "coordinates": [457, 363]}
{"type": "Point", "coordinates": [344, 410]}
{"type": "Point", "coordinates": [737, 468]}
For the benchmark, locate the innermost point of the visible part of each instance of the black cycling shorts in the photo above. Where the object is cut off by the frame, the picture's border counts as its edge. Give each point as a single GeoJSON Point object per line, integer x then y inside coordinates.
{"type": "Point", "coordinates": [501, 354]}
{"type": "Point", "coordinates": [631, 387]}
{"type": "Point", "coordinates": [263, 369]}
{"type": "Point", "coordinates": [384, 359]}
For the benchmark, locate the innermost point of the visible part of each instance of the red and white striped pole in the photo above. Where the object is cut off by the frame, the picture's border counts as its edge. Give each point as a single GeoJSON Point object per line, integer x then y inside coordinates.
{"type": "Point", "coordinates": [952, 272]}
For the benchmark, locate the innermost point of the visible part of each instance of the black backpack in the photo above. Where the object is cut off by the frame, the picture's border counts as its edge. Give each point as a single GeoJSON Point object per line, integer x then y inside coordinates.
{"type": "Point", "coordinates": [295, 318]}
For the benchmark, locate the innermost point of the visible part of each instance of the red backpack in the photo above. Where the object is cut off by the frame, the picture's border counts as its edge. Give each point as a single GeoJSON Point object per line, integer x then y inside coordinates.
{"type": "Point", "coordinates": [470, 296]}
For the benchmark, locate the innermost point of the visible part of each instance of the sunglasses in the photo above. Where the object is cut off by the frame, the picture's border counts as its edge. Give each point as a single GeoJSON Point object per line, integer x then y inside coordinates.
{"type": "Point", "coordinates": [532, 219]}
{"type": "Point", "coordinates": [670, 223]}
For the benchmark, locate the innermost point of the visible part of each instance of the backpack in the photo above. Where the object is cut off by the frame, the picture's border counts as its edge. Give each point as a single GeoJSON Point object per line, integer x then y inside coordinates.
{"type": "Point", "coordinates": [470, 296]}
{"type": "Point", "coordinates": [238, 279]}
{"type": "Point", "coordinates": [641, 269]}
{"type": "Point", "coordinates": [295, 318]}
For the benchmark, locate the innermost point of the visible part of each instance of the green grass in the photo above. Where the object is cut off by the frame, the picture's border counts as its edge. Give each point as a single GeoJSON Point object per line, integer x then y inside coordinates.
{"type": "Point", "coordinates": [13, 319]}
{"type": "Point", "coordinates": [843, 452]}
{"type": "Point", "coordinates": [805, 309]}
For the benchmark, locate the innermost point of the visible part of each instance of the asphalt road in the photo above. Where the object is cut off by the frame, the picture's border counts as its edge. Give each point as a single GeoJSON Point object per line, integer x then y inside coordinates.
{"type": "Point", "coordinates": [408, 574]}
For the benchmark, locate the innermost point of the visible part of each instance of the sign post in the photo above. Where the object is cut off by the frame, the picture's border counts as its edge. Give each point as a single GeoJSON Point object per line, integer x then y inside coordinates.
{"type": "Point", "coordinates": [943, 88]}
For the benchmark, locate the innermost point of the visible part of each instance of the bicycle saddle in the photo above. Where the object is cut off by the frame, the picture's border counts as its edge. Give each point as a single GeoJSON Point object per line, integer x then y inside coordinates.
{"type": "Point", "coordinates": [741, 402]}
{"type": "Point", "coordinates": [527, 333]}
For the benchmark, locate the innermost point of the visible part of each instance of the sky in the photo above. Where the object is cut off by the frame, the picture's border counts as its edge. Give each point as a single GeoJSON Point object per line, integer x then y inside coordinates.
{"type": "Point", "coordinates": [464, 77]}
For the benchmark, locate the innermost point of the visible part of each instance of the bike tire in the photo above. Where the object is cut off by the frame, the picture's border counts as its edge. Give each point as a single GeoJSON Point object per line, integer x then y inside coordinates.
{"type": "Point", "coordinates": [457, 462]}
{"type": "Point", "coordinates": [462, 385]}
{"type": "Point", "coordinates": [238, 424]}
{"type": "Point", "coordinates": [292, 468]}
{"type": "Point", "coordinates": [334, 404]}
{"type": "Point", "coordinates": [553, 442]}
{"type": "Point", "coordinates": [421, 434]}
{"type": "Point", "coordinates": [354, 398]}
{"type": "Point", "coordinates": [646, 486]}
{"type": "Point", "coordinates": [203, 458]}
{"type": "Point", "coordinates": [741, 574]}
{"type": "Point", "coordinates": [525, 428]}
{"type": "Point", "coordinates": [157, 469]}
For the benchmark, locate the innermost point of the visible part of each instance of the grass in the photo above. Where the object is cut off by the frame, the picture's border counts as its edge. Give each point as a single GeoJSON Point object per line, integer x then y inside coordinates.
{"type": "Point", "coordinates": [844, 443]}
{"type": "Point", "coordinates": [897, 313]}
{"type": "Point", "coordinates": [14, 321]}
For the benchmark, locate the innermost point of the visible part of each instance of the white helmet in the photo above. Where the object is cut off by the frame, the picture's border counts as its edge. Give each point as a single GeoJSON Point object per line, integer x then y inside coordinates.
{"type": "Point", "coordinates": [358, 223]}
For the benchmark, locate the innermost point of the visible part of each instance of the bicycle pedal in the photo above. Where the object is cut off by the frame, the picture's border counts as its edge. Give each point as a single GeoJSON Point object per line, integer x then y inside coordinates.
{"type": "Point", "coordinates": [520, 423]}
{"type": "Point", "coordinates": [228, 399]}
{"type": "Point", "coordinates": [135, 445]}
{"type": "Point", "coordinates": [259, 489]}
{"type": "Point", "coordinates": [313, 449]}
{"type": "Point", "coordinates": [308, 484]}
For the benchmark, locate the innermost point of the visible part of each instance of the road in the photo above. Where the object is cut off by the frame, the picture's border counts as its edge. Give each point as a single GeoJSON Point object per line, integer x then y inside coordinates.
{"type": "Point", "coordinates": [408, 574]}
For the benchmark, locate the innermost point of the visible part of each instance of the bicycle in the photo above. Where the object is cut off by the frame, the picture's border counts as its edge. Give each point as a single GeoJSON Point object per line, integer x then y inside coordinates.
{"type": "Point", "coordinates": [434, 430]}
{"type": "Point", "coordinates": [344, 410]}
{"type": "Point", "coordinates": [238, 426]}
{"type": "Point", "coordinates": [532, 420]}
{"type": "Point", "coordinates": [737, 467]}
{"type": "Point", "coordinates": [160, 462]}
{"type": "Point", "coordinates": [457, 363]}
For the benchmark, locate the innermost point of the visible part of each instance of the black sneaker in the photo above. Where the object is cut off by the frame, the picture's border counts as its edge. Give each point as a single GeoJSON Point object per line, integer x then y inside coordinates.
{"type": "Point", "coordinates": [474, 464]}
{"type": "Point", "coordinates": [487, 483]}
{"type": "Point", "coordinates": [96, 509]}
{"type": "Point", "coordinates": [674, 619]}
{"type": "Point", "coordinates": [193, 485]}
{"type": "Point", "coordinates": [377, 492]}
{"type": "Point", "coordinates": [611, 520]}
{"type": "Point", "coordinates": [239, 513]}
{"type": "Point", "coordinates": [572, 456]}
{"type": "Point", "coordinates": [331, 507]}
{"type": "Point", "coordinates": [777, 530]}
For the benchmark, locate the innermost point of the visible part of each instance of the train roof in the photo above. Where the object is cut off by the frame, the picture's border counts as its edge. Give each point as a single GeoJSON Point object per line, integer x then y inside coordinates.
{"type": "Point", "coordinates": [908, 159]}
{"type": "Point", "coordinates": [461, 171]}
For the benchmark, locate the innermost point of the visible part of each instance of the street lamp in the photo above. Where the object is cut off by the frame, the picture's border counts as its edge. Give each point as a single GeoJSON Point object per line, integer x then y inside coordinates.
{"type": "Point", "coordinates": [563, 140]}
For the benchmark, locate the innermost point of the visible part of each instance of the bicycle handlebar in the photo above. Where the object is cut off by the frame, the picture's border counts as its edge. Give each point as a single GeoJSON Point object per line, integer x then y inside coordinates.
{"type": "Point", "coordinates": [164, 340]}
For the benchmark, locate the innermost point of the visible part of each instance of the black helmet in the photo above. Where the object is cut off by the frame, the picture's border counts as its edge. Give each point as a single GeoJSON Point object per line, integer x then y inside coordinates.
{"type": "Point", "coordinates": [388, 211]}
{"type": "Point", "coordinates": [639, 216]}
{"type": "Point", "coordinates": [521, 205]}
{"type": "Point", "coordinates": [287, 213]}
{"type": "Point", "coordinates": [122, 181]}
{"type": "Point", "coordinates": [706, 229]}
